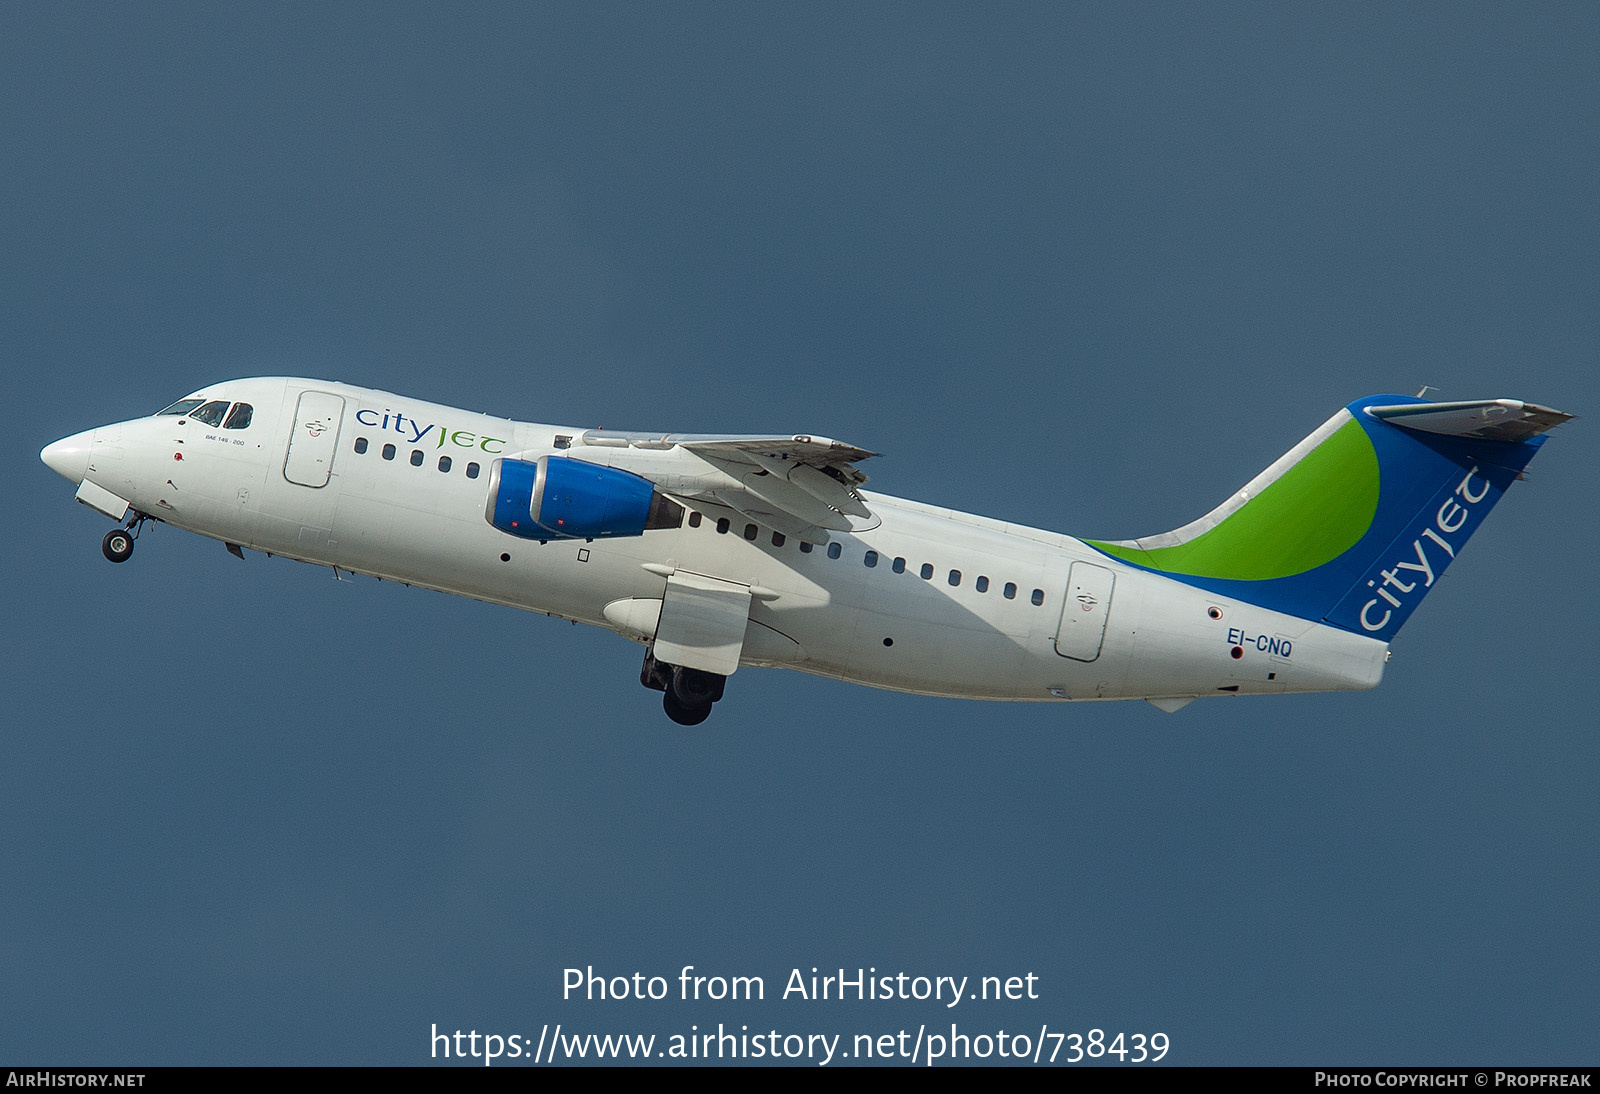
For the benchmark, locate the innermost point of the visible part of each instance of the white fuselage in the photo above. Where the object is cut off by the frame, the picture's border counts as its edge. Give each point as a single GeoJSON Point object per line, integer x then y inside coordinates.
{"type": "Point", "coordinates": [1130, 633]}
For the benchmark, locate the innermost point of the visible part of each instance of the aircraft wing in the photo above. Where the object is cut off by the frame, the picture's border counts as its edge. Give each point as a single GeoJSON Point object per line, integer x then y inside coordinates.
{"type": "Point", "coordinates": [800, 485]}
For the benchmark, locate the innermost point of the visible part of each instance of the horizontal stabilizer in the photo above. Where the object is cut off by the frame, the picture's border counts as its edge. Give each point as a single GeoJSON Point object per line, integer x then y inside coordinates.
{"type": "Point", "coordinates": [1487, 419]}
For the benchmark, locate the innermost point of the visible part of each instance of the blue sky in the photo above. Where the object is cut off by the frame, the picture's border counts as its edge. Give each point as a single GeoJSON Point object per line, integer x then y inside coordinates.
{"type": "Point", "coordinates": [1085, 267]}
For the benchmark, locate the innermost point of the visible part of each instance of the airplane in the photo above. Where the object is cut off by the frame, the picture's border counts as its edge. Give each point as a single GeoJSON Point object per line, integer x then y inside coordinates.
{"type": "Point", "coordinates": [721, 551]}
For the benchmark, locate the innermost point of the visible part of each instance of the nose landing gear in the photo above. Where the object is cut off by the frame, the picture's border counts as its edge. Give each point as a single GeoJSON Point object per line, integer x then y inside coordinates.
{"type": "Point", "coordinates": [118, 544]}
{"type": "Point", "coordinates": [688, 694]}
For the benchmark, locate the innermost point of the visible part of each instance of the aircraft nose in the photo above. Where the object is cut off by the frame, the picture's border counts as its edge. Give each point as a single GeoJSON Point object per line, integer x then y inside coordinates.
{"type": "Point", "coordinates": [69, 457]}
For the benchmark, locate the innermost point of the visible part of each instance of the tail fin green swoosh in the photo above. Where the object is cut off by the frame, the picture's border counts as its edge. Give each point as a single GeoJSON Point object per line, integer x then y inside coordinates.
{"type": "Point", "coordinates": [1354, 524]}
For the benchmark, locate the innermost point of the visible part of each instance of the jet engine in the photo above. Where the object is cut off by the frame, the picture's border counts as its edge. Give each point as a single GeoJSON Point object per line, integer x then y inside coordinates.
{"type": "Point", "coordinates": [555, 497]}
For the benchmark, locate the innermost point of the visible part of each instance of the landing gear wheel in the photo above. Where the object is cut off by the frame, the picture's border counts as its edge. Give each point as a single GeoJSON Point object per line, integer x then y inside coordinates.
{"type": "Point", "coordinates": [688, 693]}
{"type": "Point", "coordinates": [118, 545]}
{"type": "Point", "coordinates": [684, 715]}
{"type": "Point", "coordinates": [692, 687]}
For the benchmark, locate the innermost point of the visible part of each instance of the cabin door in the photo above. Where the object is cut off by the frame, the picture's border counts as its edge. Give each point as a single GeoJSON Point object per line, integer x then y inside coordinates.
{"type": "Point", "coordinates": [314, 438]}
{"type": "Point", "coordinates": [1083, 616]}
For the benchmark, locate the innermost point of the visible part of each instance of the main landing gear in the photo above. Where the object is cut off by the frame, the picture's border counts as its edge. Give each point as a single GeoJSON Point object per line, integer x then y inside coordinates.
{"type": "Point", "coordinates": [118, 544]}
{"type": "Point", "coordinates": [687, 694]}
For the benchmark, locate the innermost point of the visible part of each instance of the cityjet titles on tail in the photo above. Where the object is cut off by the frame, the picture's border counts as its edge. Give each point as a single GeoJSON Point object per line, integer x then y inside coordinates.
{"type": "Point", "coordinates": [1451, 518]}
{"type": "Point", "coordinates": [716, 552]}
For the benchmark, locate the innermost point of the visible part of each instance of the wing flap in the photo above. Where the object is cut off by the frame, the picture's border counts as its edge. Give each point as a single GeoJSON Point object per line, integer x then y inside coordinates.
{"type": "Point", "coordinates": [799, 485]}
{"type": "Point", "coordinates": [751, 508]}
{"type": "Point", "coordinates": [802, 447]}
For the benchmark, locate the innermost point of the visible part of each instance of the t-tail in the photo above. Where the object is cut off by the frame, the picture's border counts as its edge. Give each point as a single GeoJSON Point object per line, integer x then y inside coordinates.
{"type": "Point", "coordinates": [1356, 523]}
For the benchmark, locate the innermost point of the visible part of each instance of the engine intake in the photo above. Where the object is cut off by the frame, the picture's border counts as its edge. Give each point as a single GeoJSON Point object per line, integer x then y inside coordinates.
{"type": "Point", "coordinates": [555, 497]}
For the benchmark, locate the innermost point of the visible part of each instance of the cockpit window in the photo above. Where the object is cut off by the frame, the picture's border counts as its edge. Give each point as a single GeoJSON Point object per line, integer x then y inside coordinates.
{"type": "Point", "coordinates": [182, 406]}
{"type": "Point", "coordinates": [240, 416]}
{"type": "Point", "coordinates": [211, 414]}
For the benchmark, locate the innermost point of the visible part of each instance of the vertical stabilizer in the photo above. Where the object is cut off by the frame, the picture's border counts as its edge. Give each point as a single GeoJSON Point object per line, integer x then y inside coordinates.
{"type": "Point", "coordinates": [1355, 524]}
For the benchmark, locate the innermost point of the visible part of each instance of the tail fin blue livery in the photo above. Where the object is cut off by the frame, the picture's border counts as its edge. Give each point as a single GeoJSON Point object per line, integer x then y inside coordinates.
{"type": "Point", "coordinates": [1355, 524]}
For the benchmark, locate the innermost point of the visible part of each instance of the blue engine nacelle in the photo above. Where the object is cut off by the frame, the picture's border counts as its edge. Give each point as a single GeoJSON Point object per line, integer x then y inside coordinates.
{"type": "Point", "coordinates": [554, 497]}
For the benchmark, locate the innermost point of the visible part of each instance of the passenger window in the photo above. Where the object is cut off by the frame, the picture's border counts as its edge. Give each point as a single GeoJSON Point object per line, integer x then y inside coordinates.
{"type": "Point", "coordinates": [834, 550]}
{"type": "Point", "coordinates": [871, 560]}
{"type": "Point", "coordinates": [211, 413]}
{"type": "Point", "coordinates": [805, 548]}
{"type": "Point", "coordinates": [472, 470]}
{"type": "Point", "coordinates": [927, 571]}
{"type": "Point", "coordinates": [722, 526]}
{"type": "Point", "coordinates": [750, 532]}
{"type": "Point", "coordinates": [1038, 597]}
{"type": "Point", "coordinates": [181, 407]}
{"type": "Point", "coordinates": [239, 417]}
{"type": "Point", "coordinates": [388, 451]}
{"type": "Point", "coordinates": [361, 445]}
{"type": "Point", "coordinates": [694, 520]}
{"type": "Point", "coordinates": [899, 566]}
{"type": "Point", "coordinates": [444, 463]}
{"type": "Point", "coordinates": [982, 584]}
{"type": "Point", "coordinates": [777, 539]}
{"type": "Point", "coordinates": [955, 577]}
{"type": "Point", "coordinates": [1011, 590]}
{"type": "Point", "coordinates": [416, 457]}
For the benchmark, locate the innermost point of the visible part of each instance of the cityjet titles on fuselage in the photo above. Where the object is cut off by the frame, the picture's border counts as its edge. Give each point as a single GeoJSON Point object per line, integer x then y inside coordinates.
{"type": "Point", "coordinates": [413, 431]}
{"type": "Point", "coordinates": [1450, 518]}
